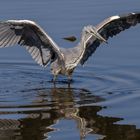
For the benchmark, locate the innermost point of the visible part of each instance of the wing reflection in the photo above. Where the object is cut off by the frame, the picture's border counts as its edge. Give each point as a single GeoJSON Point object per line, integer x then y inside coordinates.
{"type": "Point", "coordinates": [51, 105]}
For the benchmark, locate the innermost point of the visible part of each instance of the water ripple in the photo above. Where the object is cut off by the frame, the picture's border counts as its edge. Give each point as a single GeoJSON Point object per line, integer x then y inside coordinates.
{"type": "Point", "coordinates": [28, 96]}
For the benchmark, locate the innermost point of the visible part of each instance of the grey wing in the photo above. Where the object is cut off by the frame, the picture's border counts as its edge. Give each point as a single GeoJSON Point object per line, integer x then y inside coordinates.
{"type": "Point", "coordinates": [27, 33]}
{"type": "Point", "coordinates": [42, 57]}
{"type": "Point", "coordinates": [109, 28]}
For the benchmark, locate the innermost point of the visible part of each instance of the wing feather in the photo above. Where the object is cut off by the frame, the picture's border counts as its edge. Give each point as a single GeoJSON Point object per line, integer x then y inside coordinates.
{"type": "Point", "coordinates": [7, 38]}
{"type": "Point", "coordinates": [108, 28]}
{"type": "Point", "coordinates": [27, 33]}
{"type": "Point", "coordinates": [35, 53]}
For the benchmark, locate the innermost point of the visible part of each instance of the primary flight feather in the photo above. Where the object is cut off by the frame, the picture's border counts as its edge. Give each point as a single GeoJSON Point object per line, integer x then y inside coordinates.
{"type": "Point", "coordinates": [45, 51]}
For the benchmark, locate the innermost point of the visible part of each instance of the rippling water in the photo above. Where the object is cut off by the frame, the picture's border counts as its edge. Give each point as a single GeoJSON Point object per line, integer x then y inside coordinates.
{"type": "Point", "coordinates": [103, 99]}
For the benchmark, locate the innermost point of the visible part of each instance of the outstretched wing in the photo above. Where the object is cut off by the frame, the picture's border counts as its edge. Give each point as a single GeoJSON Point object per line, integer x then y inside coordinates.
{"type": "Point", "coordinates": [27, 33]}
{"type": "Point", "coordinates": [109, 28]}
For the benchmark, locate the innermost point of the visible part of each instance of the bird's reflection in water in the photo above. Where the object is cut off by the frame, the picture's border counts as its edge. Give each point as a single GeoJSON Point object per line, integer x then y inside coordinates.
{"type": "Point", "coordinates": [54, 104]}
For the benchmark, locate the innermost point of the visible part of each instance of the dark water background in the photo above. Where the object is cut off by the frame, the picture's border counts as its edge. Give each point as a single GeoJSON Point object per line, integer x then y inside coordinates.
{"type": "Point", "coordinates": [103, 102]}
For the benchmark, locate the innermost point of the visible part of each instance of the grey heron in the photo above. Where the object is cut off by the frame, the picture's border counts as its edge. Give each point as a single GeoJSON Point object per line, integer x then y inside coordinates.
{"type": "Point", "coordinates": [45, 51]}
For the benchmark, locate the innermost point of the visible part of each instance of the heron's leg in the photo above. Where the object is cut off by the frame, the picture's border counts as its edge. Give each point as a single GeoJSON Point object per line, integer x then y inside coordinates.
{"type": "Point", "coordinates": [69, 75]}
{"type": "Point", "coordinates": [69, 78]}
{"type": "Point", "coordinates": [54, 78]}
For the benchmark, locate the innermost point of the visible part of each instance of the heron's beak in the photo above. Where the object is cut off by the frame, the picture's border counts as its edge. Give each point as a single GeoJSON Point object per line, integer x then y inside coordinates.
{"type": "Point", "coordinates": [98, 36]}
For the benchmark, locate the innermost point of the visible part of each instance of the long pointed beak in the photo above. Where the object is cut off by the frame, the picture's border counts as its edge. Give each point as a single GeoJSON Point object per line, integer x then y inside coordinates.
{"type": "Point", "coordinates": [98, 36]}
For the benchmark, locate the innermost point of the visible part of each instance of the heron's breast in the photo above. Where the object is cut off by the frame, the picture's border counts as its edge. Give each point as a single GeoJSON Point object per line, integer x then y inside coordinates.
{"type": "Point", "coordinates": [66, 71]}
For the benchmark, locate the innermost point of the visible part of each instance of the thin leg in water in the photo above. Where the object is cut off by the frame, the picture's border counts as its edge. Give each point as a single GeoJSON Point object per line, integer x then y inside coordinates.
{"type": "Point", "coordinates": [54, 78]}
{"type": "Point", "coordinates": [69, 78]}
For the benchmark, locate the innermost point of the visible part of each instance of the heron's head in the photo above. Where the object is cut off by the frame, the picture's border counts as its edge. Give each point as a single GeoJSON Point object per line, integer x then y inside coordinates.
{"type": "Point", "coordinates": [55, 68]}
{"type": "Point", "coordinates": [93, 31]}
